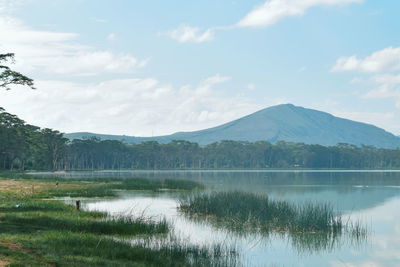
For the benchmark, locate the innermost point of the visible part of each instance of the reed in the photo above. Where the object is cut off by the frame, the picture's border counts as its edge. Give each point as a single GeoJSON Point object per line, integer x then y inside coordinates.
{"type": "Point", "coordinates": [72, 249]}
{"type": "Point", "coordinates": [260, 212]}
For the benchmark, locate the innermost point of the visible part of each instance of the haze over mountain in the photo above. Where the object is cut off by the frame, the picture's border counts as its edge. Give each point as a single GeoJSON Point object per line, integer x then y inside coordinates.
{"type": "Point", "coordinates": [278, 123]}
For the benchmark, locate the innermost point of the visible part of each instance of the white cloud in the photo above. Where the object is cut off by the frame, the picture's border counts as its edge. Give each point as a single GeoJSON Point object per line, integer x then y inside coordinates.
{"type": "Point", "coordinates": [58, 52]}
{"type": "Point", "coordinates": [383, 119]}
{"type": "Point", "coordinates": [264, 15]}
{"type": "Point", "coordinates": [124, 106]}
{"type": "Point", "coordinates": [385, 60]}
{"type": "Point", "coordinates": [274, 10]}
{"type": "Point", "coordinates": [387, 86]}
{"type": "Point", "coordinates": [216, 79]}
{"type": "Point", "coordinates": [382, 66]}
{"type": "Point", "coordinates": [375, 118]}
{"type": "Point", "coordinates": [186, 33]}
{"type": "Point", "coordinates": [92, 63]}
{"type": "Point", "coordinates": [127, 106]}
{"type": "Point", "coordinates": [389, 79]}
{"type": "Point", "coordinates": [9, 5]}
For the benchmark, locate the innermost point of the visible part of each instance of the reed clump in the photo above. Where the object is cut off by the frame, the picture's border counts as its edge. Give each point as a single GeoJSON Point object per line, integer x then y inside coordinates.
{"type": "Point", "coordinates": [247, 210]}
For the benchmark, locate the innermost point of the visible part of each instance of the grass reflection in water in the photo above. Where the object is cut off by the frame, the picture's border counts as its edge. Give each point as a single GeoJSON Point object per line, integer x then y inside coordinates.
{"type": "Point", "coordinates": [309, 226]}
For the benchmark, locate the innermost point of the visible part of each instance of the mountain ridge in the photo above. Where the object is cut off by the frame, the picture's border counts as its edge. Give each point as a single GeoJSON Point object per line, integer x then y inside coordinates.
{"type": "Point", "coordinates": [285, 122]}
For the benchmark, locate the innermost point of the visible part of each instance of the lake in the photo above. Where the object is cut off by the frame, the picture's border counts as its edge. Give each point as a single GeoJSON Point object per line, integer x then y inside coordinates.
{"type": "Point", "coordinates": [369, 197]}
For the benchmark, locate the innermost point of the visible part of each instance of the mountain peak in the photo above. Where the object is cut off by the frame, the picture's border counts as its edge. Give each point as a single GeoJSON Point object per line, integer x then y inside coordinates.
{"type": "Point", "coordinates": [285, 122]}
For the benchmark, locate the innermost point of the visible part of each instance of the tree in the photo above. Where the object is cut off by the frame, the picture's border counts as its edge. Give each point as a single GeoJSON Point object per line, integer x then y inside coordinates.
{"type": "Point", "coordinates": [9, 76]}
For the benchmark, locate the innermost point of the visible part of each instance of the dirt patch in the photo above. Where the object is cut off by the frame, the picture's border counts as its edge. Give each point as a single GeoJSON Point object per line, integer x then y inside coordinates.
{"type": "Point", "coordinates": [28, 188]}
{"type": "Point", "coordinates": [17, 248]}
{"type": "Point", "coordinates": [21, 187]}
{"type": "Point", "coordinates": [13, 247]}
{"type": "Point", "coordinates": [4, 262]}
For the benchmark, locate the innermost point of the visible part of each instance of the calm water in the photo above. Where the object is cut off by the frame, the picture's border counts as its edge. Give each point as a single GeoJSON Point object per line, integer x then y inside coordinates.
{"type": "Point", "coordinates": [372, 197]}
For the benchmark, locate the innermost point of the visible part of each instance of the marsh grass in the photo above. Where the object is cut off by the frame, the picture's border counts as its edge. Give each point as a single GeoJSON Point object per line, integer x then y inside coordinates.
{"type": "Point", "coordinates": [310, 243]}
{"type": "Point", "coordinates": [196, 255]}
{"type": "Point", "coordinates": [48, 232]}
{"type": "Point", "coordinates": [108, 187]}
{"type": "Point", "coordinates": [44, 232]}
{"type": "Point", "coordinates": [62, 236]}
{"type": "Point", "coordinates": [258, 212]}
{"type": "Point", "coordinates": [73, 249]}
{"type": "Point", "coordinates": [34, 215]}
{"type": "Point", "coordinates": [94, 186]}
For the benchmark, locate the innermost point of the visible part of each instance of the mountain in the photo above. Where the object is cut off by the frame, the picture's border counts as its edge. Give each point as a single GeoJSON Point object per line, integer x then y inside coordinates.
{"type": "Point", "coordinates": [278, 123]}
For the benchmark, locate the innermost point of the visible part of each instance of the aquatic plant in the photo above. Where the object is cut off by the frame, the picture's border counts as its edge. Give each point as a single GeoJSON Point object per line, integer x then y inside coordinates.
{"type": "Point", "coordinates": [247, 210]}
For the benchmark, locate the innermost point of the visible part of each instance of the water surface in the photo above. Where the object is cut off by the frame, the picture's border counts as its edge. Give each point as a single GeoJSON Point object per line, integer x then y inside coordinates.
{"type": "Point", "coordinates": [372, 197]}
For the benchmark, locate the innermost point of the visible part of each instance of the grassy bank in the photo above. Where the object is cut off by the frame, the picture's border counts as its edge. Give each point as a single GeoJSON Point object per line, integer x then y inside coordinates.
{"type": "Point", "coordinates": [48, 187]}
{"type": "Point", "coordinates": [252, 211]}
{"type": "Point", "coordinates": [35, 215]}
{"type": "Point", "coordinates": [45, 232]}
{"type": "Point", "coordinates": [72, 249]}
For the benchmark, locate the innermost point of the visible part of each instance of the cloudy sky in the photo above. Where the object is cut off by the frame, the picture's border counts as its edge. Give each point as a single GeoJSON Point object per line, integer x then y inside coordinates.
{"type": "Point", "coordinates": [156, 67]}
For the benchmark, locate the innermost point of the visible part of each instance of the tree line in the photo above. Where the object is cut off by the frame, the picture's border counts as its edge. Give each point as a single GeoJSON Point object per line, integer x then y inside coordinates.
{"type": "Point", "coordinates": [24, 146]}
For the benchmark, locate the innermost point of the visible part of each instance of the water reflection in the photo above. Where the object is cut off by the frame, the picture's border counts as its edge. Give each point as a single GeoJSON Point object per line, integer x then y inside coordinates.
{"type": "Point", "coordinates": [349, 191]}
{"type": "Point", "coordinates": [200, 232]}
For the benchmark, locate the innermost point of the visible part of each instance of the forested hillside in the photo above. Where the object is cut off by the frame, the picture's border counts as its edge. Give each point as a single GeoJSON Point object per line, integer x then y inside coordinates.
{"type": "Point", "coordinates": [23, 146]}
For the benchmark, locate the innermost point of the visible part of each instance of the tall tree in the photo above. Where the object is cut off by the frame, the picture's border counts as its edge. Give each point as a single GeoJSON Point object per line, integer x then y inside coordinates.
{"type": "Point", "coordinates": [9, 76]}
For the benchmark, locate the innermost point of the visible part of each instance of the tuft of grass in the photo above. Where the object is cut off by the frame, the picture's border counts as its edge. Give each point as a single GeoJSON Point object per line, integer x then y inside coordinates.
{"type": "Point", "coordinates": [252, 211]}
{"type": "Point", "coordinates": [316, 217]}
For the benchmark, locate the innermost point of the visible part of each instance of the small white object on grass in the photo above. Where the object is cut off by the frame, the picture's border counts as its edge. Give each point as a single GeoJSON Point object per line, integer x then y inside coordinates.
{"type": "Point", "coordinates": [18, 205]}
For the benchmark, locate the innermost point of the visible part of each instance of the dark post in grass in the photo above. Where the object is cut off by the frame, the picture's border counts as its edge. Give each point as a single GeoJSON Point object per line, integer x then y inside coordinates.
{"type": "Point", "coordinates": [78, 204]}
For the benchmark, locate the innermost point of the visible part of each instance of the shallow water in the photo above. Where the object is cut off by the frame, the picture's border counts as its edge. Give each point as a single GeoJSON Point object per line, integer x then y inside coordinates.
{"type": "Point", "coordinates": [372, 197]}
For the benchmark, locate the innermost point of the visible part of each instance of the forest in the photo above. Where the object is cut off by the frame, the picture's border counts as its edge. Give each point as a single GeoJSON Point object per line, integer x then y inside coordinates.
{"type": "Point", "coordinates": [27, 147]}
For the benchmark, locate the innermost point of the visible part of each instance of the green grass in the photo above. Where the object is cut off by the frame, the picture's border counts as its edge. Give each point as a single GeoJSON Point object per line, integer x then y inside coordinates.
{"type": "Point", "coordinates": [72, 249]}
{"type": "Point", "coordinates": [108, 187]}
{"type": "Point", "coordinates": [45, 232]}
{"type": "Point", "coordinates": [252, 211]}
{"type": "Point", "coordinates": [100, 187]}
{"type": "Point", "coordinates": [48, 233]}
{"type": "Point", "coordinates": [47, 215]}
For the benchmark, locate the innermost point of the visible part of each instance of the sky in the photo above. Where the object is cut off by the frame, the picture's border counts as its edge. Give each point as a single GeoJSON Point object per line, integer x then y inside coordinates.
{"type": "Point", "coordinates": [155, 67]}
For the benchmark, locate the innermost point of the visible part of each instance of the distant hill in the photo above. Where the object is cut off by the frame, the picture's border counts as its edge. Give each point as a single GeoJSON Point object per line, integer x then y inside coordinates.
{"type": "Point", "coordinates": [278, 123]}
